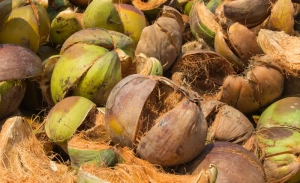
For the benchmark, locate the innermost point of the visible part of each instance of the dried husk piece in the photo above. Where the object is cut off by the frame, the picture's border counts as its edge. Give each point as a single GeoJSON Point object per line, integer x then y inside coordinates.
{"type": "Point", "coordinates": [203, 23]}
{"type": "Point", "coordinates": [226, 123]}
{"type": "Point", "coordinates": [234, 163]}
{"type": "Point", "coordinates": [284, 46]}
{"type": "Point", "coordinates": [166, 39]}
{"type": "Point", "coordinates": [163, 121]}
{"type": "Point", "coordinates": [137, 170]}
{"type": "Point", "coordinates": [261, 85]}
{"type": "Point", "coordinates": [223, 48]}
{"type": "Point", "coordinates": [243, 41]}
{"type": "Point", "coordinates": [148, 65]}
{"type": "Point", "coordinates": [282, 17]}
{"type": "Point", "coordinates": [201, 71]}
{"type": "Point", "coordinates": [247, 12]}
{"type": "Point", "coordinates": [22, 156]}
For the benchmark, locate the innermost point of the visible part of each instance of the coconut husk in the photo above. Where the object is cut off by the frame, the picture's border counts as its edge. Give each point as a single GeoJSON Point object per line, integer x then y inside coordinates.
{"type": "Point", "coordinates": [201, 71]}
{"type": "Point", "coordinates": [225, 123]}
{"type": "Point", "coordinates": [285, 47]}
{"type": "Point", "coordinates": [137, 170]}
{"type": "Point", "coordinates": [23, 158]}
{"type": "Point", "coordinates": [260, 85]}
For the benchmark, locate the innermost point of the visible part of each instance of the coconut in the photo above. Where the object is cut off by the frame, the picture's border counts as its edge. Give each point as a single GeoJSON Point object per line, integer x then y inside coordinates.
{"type": "Point", "coordinates": [261, 85]}
{"type": "Point", "coordinates": [166, 38]}
{"type": "Point", "coordinates": [134, 169]}
{"type": "Point", "coordinates": [234, 163]}
{"type": "Point", "coordinates": [225, 123]}
{"type": "Point", "coordinates": [148, 65]}
{"type": "Point", "coordinates": [163, 121]}
{"type": "Point", "coordinates": [276, 141]}
{"type": "Point", "coordinates": [23, 158]}
{"type": "Point", "coordinates": [201, 71]}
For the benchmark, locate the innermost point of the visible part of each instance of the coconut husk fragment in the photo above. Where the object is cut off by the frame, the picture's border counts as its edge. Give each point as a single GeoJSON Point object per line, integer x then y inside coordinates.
{"type": "Point", "coordinates": [285, 47]}
{"type": "Point", "coordinates": [137, 170]}
{"type": "Point", "coordinates": [23, 158]}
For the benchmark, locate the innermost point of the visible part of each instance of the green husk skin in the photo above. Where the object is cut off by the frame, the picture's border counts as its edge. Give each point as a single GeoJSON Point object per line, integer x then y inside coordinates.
{"type": "Point", "coordinates": [11, 95]}
{"type": "Point", "coordinates": [103, 157]}
{"type": "Point", "coordinates": [213, 4]}
{"type": "Point", "coordinates": [65, 117]}
{"type": "Point", "coordinates": [101, 77]}
{"type": "Point", "coordinates": [86, 177]}
{"type": "Point", "coordinates": [30, 17]}
{"type": "Point", "coordinates": [96, 15]}
{"type": "Point", "coordinates": [284, 112]}
{"type": "Point", "coordinates": [280, 146]}
{"type": "Point", "coordinates": [62, 81]}
{"type": "Point", "coordinates": [63, 26]}
{"type": "Point", "coordinates": [203, 24]}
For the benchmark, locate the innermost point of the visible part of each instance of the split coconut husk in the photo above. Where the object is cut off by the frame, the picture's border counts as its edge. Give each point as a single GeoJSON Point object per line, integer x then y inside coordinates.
{"type": "Point", "coordinates": [261, 85]}
{"type": "Point", "coordinates": [22, 156]}
{"type": "Point", "coordinates": [234, 163]}
{"type": "Point", "coordinates": [166, 38]}
{"type": "Point", "coordinates": [226, 123]}
{"type": "Point", "coordinates": [162, 120]}
{"type": "Point", "coordinates": [137, 170]}
{"type": "Point", "coordinates": [201, 71]}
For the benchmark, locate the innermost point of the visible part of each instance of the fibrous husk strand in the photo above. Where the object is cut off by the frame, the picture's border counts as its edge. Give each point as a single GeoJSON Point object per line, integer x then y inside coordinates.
{"type": "Point", "coordinates": [22, 156]}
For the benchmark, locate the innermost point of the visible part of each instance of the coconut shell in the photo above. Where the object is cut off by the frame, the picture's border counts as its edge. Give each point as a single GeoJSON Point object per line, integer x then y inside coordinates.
{"type": "Point", "coordinates": [234, 163]}
{"type": "Point", "coordinates": [17, 62]}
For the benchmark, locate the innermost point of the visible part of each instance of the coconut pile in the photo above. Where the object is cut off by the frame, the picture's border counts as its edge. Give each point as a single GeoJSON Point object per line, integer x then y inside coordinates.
{"type": "Point", "coordinates": [121, 91]}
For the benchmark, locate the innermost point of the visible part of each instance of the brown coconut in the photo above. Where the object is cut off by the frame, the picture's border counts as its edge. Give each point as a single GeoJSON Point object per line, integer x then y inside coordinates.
{"type": "Point", "coordinates": [234, 163]}
{"type": "Point", "coordinates": [22, 156]}
{"type": "Point", "coordinates": [226, 123]}
{"type": "Point", "coordinates": [261, 85]}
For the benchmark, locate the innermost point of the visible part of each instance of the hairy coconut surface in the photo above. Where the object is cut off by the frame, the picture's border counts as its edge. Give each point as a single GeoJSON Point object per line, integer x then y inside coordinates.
{"type": "Point", "coordinates": [22, 156]}
{"type": "Point", "coordinates": [226, 123]}
{"type": "Point", "coordinates": [137, 170]}
{"type": "Point", "coordinates": [201, 71]}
